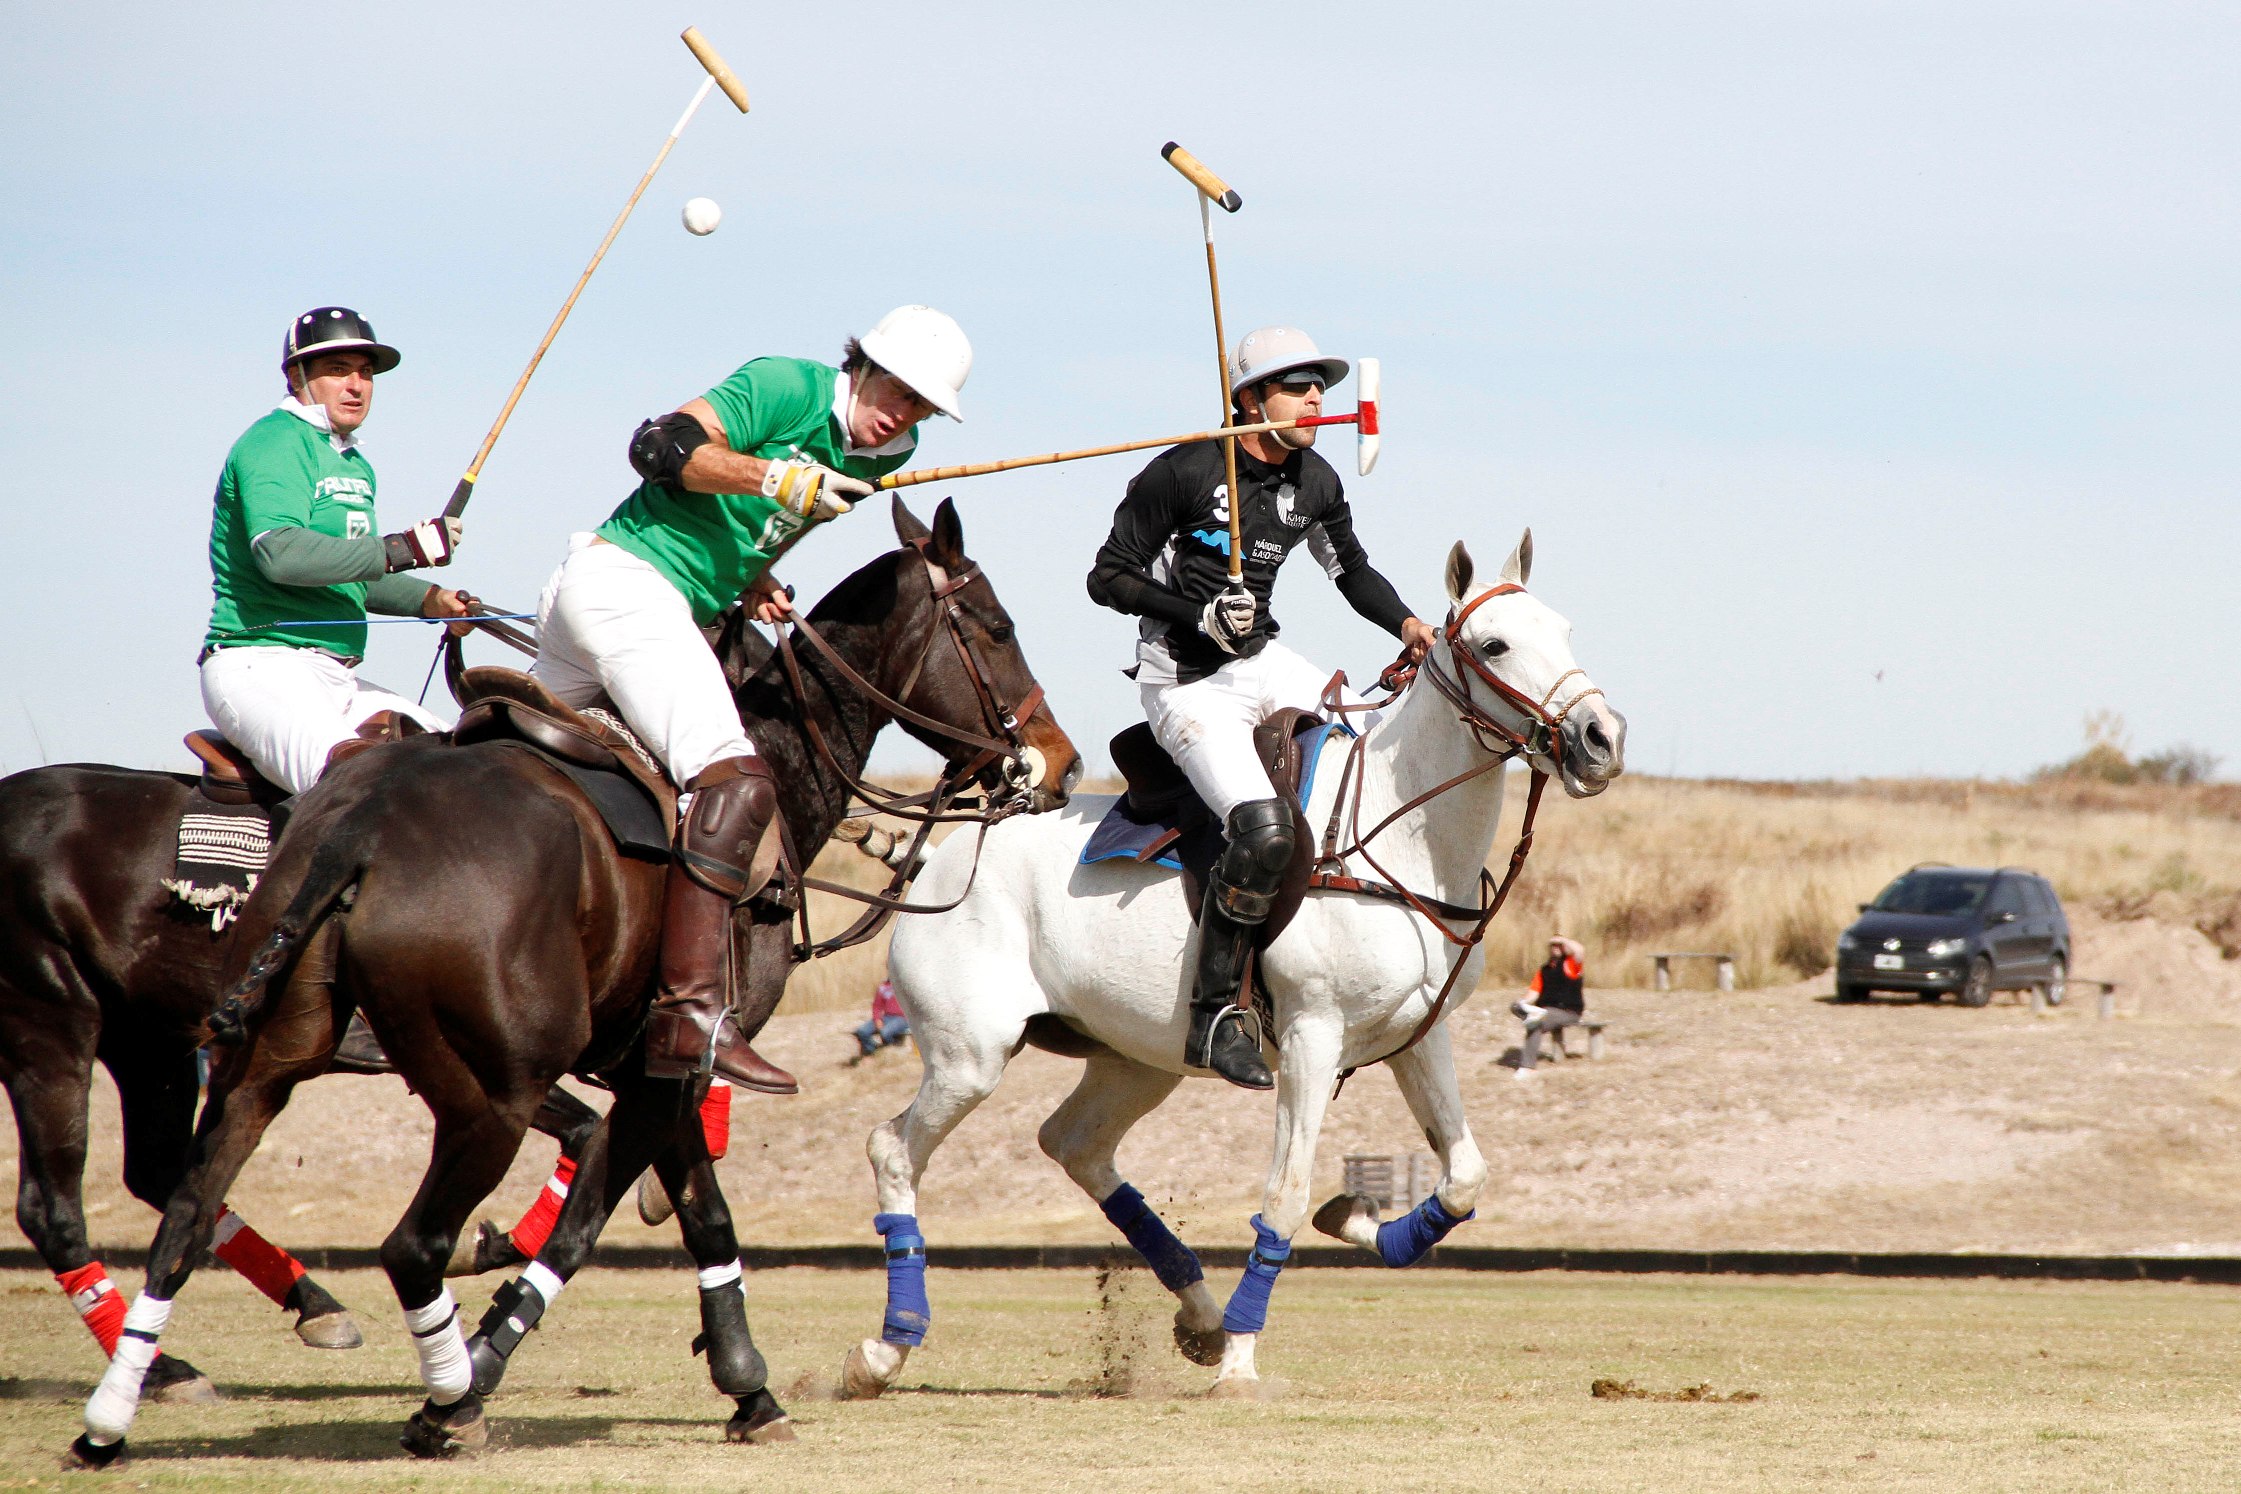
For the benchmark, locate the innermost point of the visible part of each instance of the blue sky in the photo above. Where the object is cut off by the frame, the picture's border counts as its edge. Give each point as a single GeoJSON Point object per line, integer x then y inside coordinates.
{"type": "Point", "coordinates": [1814, 341]}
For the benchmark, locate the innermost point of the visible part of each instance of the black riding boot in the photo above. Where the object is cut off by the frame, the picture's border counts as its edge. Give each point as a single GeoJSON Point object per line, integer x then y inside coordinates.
{"type": "Point", "coordinates": [1238, 897]}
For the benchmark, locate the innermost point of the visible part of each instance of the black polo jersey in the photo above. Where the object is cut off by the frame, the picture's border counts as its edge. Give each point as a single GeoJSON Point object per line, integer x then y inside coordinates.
{"type": "Point", "coordinates": [1168, 553]}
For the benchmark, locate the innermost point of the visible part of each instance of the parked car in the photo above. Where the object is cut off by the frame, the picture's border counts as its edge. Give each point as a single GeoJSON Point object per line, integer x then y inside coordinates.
{"type": "Point", "coordinates": [1959, 930]}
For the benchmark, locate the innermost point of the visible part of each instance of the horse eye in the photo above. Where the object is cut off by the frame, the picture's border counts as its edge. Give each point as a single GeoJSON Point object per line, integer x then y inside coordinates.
{"type": "Point", "coordinates": [1494, 648]}
{"type": "Point", "coordinates": [1000, 634]}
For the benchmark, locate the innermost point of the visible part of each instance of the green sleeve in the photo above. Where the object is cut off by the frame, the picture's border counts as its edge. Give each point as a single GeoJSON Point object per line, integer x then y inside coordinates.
{"type": "Point", "coordinates": [396, 594]}
{"type": "Point", "coordinates": [291, 555]}
{"type": "Point", "coordinates": [760, 401]}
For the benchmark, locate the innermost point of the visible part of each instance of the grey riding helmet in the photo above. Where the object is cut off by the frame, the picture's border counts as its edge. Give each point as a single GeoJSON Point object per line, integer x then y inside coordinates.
{"type": "Point", "coordinates": [335, 329]}
{"type": "Point", "coordinates": [1270, 352]}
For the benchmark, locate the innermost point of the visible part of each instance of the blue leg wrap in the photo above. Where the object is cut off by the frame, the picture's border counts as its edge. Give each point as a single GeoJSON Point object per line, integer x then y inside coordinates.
{"type": "Point", "coordinates": [1248, 1305]}
{"type": "Point", "coordinates": [1406, 1240]}
{"type": "Point", "coordinates": [1170, 1259]}
{"type": "Point", "coordinates": [908, 1312]}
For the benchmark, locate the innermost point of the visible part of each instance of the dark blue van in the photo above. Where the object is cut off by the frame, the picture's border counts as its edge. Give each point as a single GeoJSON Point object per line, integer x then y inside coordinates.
{"type": "Point", "coordinates": [1959, 930]}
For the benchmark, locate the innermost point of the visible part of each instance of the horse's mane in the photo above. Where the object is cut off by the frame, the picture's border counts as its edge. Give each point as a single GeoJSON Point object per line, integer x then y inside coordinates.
{"type": "Point", "coordinates": [864, 598]}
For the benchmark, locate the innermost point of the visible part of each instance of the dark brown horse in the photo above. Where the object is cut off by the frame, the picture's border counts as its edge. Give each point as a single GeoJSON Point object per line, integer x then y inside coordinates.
{"type": "Point", "coordinates": [99, 963]}
{"type": "Point", "coordinates": [472, 904]}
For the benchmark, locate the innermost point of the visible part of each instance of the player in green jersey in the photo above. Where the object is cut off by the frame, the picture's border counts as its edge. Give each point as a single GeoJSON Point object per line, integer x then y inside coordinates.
{"type": "Point", "coordinates": [729, 480]}
{"type": "Point", "coordinates": [295, 565]}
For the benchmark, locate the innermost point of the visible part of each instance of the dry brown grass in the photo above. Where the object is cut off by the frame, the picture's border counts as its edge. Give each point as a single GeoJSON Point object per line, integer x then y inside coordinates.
{"type": "Point", "coordinates": [1772, 871]}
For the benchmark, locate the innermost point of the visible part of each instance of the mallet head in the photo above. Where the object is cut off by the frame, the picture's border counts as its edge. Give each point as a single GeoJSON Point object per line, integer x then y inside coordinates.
{"type": "Point", "coordinates": [1366, 435]}
{"type": "Point", "coordinates": [1194, 170]}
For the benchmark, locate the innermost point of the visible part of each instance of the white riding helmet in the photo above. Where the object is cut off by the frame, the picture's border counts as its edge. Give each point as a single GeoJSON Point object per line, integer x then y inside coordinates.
{"type": "Point", "coordinates": [926, 350]}
{"type": "Point", "coordinates": [1266, 352]}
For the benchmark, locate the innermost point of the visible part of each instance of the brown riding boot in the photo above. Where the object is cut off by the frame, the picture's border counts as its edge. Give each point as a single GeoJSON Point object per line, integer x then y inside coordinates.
{"type": "Point", "coordinates": [725, 851]}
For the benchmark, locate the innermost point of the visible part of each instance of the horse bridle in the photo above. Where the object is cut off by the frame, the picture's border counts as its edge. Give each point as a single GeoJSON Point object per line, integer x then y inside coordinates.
{"type": "Point", "coordinates": [1004, 740]}
{"type": "Point", "coordinates": [1538, 735]}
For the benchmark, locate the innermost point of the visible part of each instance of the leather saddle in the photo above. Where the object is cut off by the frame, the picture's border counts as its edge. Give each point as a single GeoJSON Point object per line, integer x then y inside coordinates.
{"type": "Point", "coordinates": [498, 704]}
{"type": "Point", "coordinates": [228, 777]}
{"type": "Point", "coordinates": [1160, 799]}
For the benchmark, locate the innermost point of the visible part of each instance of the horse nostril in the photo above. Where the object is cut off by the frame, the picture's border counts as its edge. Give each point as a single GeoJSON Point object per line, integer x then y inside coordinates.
{"type": "Point", "coordinates": [1597, 739]}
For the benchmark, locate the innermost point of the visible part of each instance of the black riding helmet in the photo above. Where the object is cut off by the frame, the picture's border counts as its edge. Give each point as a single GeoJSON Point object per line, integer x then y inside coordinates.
{"type": "Point", "coordinates": [334, 329]}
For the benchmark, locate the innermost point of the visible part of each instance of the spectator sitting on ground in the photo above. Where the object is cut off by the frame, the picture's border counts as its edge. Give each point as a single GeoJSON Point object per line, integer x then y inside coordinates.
{"type": "Point", "coordinates": [1559, 999]}
{"type": "Point", "coordinates": [887, 1027]}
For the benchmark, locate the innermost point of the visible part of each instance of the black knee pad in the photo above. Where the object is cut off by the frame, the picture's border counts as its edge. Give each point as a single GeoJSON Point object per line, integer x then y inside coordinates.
{"type": "Point", "coordinates": [1252, 864]}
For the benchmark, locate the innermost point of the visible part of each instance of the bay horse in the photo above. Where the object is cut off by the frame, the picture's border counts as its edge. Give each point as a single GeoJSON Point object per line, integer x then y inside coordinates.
{"type": "Point", "coordinates": [1100, 958]}
{"type": "Point", "coordinates": [100, 963]}
{"type": "Point", "coordinates": [469, 900]}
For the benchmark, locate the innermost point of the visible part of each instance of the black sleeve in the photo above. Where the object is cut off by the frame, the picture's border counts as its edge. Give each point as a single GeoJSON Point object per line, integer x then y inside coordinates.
{"type": "Point", "coordinates": [1365, 588]}
{"type": "Point", "coordinates": [1142, 526]}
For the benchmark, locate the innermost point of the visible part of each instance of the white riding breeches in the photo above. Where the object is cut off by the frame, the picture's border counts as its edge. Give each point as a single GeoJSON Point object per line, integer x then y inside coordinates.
{"type": "Point", "coordinates": [287, 708]}
{"type": "Point", "coordinates": [1207, 725]}
{"type": "Point", "coordinates": [611, 624]}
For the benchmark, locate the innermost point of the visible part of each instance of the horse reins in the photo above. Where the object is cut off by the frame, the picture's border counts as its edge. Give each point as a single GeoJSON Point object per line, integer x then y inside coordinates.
{"type": "Point", "coordinates": [1537, 734]}
{"type": "Point", "coordinates": [1005, 741]}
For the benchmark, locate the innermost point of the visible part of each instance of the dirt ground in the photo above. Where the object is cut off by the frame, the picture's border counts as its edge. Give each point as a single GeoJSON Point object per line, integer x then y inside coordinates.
{"type": "Point", "coordinates": [1754, 1119]}
{"type": "Point", "coordinates": [1036, 1380]}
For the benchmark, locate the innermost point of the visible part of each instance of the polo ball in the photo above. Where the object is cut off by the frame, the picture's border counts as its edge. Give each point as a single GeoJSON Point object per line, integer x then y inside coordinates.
{"type": "Point", "coordinates": [702, 215]}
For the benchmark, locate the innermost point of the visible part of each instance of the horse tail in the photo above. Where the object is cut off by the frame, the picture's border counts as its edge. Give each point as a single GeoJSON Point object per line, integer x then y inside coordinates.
{"type": "Point", "coordinates": [331, 880]}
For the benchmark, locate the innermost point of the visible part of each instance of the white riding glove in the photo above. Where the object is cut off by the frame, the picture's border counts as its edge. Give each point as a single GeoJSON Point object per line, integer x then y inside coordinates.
{"type": "Point", "coordinates": [430, 543]}
{"type": "Point", "coordinates": [1228, 619]}
{"type": "Point", "coordinates": [815, 493]}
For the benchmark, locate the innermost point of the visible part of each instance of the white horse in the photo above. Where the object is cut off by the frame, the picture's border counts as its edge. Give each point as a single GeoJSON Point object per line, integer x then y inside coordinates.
{"type": "Point", "coordinates": [1106, 949]}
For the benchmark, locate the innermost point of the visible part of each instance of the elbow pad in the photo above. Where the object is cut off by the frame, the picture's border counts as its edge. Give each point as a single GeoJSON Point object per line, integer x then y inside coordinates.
{"type": "Point", "coordinates": [660, 448]}
{"type": "Point", "coordinates": [1097, 590]}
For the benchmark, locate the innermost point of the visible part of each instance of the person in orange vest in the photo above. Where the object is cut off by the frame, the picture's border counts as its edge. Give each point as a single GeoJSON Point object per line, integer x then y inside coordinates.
{"type": "Point", "coordinates": [1559, 999]}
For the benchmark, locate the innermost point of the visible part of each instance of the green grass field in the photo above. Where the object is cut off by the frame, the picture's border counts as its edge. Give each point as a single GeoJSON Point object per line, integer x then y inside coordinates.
{"type": "Point", "coordinates": [1054, 1380]}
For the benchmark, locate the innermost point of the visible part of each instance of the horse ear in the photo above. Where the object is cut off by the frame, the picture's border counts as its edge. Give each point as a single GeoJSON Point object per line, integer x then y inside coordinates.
{"type": "Point", "coordinates": [907, 527]}
{"type": "Point", "coordinates": [1459, 569]}
{"type": "Point", "coordinates": [949, 536]}
{"type": "Point", "coordinates": [1519, 567]}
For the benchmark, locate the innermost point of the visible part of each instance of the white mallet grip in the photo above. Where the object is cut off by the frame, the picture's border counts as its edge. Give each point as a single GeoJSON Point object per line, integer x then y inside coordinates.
{"type": "Point", "coordinates": [1365, 422]}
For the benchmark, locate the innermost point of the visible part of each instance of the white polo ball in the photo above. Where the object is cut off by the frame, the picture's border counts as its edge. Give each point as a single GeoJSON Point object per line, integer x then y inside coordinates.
{"type": "Point", "coordinates": [702, 215]}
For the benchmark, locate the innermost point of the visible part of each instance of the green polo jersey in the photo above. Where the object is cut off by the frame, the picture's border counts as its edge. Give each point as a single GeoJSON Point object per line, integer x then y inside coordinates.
{"type": "Point", "coordinates": [711, 546]}
{"type": "Point", "coordinates": [285, 472]}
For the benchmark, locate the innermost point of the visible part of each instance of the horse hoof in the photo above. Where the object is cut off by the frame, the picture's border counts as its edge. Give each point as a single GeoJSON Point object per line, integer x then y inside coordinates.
{"type": "Point", "coordinates": [446, 1431]}
{"type": "Point", "coordinates": [858, 1382]}
{"type": "Point", "coordinates": [87, 1453]}
{"type": "Point", "coordinates": [760, 1421]}
{"type": "Point", "coordinates": [331, 1330]}
{"type": "Point", "coordinates": [489, 1248]}
{"type": "Point", "coordinates": [174, 1382]}
{"type": "Point", "coordinates": [1200, 1345]}
{"type": "Point", "coordinates": [1350, 1217]}
{"type": "Point", "coordinates": [654, 1207]}
{"type": "Point", "coordinates": [1234, 1388]}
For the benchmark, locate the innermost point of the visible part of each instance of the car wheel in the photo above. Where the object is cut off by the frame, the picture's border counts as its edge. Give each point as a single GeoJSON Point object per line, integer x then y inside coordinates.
{"type": "Point", "coordinates": [2057, 983]}
{"type": "Point", "coordinates": [1977, 990]}
{"type": "Point", "coordinates": [1846, 991]}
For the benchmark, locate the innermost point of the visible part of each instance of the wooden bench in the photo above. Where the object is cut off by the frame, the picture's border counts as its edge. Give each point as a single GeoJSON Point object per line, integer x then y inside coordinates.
{"type": "Point", "coordinates": [1663, 963]}
{"type": "Point", "coordinates": [1392, 1181]}
{"type": "Point", "coordinates": [1594, 1031]}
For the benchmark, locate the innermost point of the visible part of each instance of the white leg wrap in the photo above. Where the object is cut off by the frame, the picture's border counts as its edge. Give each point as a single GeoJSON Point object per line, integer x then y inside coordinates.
{"type": "Point", "coordinates": [443, 1350]}
{"type": "Point", "coordinates": [546, 1281]}
{"type": "Point", "coordinates": [109, 1411]}
{"type": "Point", "coordinates": [712, 1277]}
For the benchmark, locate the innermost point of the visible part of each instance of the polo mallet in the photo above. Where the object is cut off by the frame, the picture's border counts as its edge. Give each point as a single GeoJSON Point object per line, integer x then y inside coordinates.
{"type": "Point", "coordinates": [721, 76]}
{"type": "Point", "coordinates": [1212, 189]}
{"type": "Point", "coordinates": [1364, 419]}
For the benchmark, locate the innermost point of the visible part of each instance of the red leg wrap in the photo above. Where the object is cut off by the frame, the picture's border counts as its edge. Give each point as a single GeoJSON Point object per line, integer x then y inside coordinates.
{"type": "Point", "coordinates": [98, 1302]}
{"type": "Point", "coordinates": [535, 1228]}
{"type": "Point", "coordinates": [269, 1269]}
{"type": "Point", "coordinates": [715, 1117]}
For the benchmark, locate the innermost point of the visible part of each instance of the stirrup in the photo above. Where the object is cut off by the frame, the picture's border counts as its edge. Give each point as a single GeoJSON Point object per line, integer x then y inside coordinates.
{"type": "Point", "coordinates": [1204, 1058]}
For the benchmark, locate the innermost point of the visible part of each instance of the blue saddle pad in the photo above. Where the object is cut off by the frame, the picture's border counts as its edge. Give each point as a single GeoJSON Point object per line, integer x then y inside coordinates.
{"type": "Point", "coordinates": [1120, 836]}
